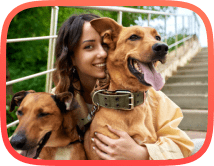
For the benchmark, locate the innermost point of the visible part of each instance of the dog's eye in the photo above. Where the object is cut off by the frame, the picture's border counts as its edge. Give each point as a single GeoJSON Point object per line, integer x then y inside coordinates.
{"type": "Point", "coordinates": [20, 113]}
{"type": "Point", "coordinates": [43, 114]}
{"type": "Point", "coordinates": [158, 38]}
{"type": "Point", "coordinates": [134, 37]}
{"type": "Point", "coordinates": [105, 47]}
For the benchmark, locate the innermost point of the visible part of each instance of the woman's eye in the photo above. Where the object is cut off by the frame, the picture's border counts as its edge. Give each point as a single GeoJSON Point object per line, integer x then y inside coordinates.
{"type": "Point", "coordinates": [20, 113]}
{"type": "Point", "coordinates": [43, 114]}
{"type": "Point", "coordinates": [134, 37]}
{"type": "Point", "coordinates": [158, 38]}
{"type": "Point", "coordinates": [88, 47]}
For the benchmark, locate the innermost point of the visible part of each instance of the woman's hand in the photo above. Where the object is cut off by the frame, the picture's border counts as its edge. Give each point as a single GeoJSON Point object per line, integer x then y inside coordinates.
{"type": "Point", "coordinates": [124, 148]}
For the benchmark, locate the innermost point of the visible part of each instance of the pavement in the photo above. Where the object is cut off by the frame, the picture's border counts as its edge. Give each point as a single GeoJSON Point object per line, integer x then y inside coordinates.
{"type": "Point", "coordinates": [196, 134]}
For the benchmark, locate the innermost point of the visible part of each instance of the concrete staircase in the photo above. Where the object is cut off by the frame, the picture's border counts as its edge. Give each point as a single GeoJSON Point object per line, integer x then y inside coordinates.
{"type": "Point", "coordinates": [188, 88]}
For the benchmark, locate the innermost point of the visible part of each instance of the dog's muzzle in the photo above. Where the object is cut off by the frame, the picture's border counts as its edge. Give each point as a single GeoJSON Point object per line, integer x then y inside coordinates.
{"type": "Point", "coordinates": [145, 72]}
{"type": "Point", "coordinates": [19, 142]}
{"type": "Point", "coordinates": [160, 50]}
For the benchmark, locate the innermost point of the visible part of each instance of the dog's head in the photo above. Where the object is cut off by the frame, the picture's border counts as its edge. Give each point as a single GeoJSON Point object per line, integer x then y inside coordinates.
{"type": "Point", "coordinates": [40, 115]}
{"type": "Point", "coordinates": [133, 52]}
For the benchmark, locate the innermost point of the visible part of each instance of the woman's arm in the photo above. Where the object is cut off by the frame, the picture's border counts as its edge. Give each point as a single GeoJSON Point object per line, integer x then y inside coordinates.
{"type": "Point", "coordinates": [124, 148]}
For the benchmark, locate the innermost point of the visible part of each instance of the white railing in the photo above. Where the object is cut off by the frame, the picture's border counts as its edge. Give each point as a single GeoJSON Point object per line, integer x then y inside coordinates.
{"type": "Point", "coordinates": [53, 30]}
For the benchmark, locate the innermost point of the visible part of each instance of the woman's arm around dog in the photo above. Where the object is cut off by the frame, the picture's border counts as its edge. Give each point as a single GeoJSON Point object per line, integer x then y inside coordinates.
{"type": "Point", "coordinates": [124, 148]}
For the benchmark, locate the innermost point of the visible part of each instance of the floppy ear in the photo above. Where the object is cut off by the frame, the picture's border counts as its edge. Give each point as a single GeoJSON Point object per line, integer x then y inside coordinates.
{"type": "Point", "coordinates": [65, 101]}
{"type": "Point", "coordinates": [108, 29]}
{"type": "Point", "coordinates": [18, 97]}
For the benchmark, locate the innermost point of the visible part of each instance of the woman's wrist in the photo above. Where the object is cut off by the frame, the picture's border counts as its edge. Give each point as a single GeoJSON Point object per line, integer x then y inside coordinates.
{"type": "Point", "coordinates": [143, 153]}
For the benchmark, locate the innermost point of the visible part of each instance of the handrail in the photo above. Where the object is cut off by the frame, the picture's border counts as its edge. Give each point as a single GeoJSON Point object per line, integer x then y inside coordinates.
{"type": "Point", "coordinates": [31, 39]}
{"type": "Point", "coordinates": [123, 9]}
{"type": "Point", "coordinates": [52, 37]}
{"type": "Point", "coordinates": [180, 41]}
{"type": "Point", "coordinates": [13, 124]}
{"type": "Point", "coordinates": [29, 77]}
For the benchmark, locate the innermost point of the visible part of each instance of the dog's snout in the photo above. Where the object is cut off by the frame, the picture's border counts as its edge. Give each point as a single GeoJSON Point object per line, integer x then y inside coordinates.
{"type": "Point", "coordinates": [18, 141]}
{"type": "Point", "coordinates": [160, 48]}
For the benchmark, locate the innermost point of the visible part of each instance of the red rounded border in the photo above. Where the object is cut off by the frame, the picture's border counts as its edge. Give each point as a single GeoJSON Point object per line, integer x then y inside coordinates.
{"type": "Point", "coordinates": [109, 3]}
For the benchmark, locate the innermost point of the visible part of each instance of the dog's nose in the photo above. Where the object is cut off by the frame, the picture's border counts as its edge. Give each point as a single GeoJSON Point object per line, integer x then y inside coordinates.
{"type": "Point", "coordinates": [160, 49]}
{"type": "Point", "coordinates": [18, 141]}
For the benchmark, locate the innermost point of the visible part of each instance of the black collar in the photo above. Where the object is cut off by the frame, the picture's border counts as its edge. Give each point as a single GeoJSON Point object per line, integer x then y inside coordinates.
{"type": "Point", "coordinates": [47, 136]}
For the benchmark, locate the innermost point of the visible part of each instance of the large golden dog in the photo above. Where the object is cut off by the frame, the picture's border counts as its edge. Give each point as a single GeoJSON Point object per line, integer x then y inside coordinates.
{"type": "Point", "coordinates": [133, 53]}
{"type": "Point", "coordinates": [47, 126]}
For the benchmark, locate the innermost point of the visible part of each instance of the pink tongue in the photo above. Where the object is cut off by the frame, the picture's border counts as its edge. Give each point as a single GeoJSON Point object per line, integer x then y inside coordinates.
{"type": "Point", "coordinates": [151, 76]}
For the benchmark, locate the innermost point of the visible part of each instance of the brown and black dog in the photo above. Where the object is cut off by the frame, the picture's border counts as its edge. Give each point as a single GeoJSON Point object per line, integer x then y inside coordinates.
{"type": "Point", "coordinates": [47, 126]}
{"type": "Point", "coordinates": [132, 54]}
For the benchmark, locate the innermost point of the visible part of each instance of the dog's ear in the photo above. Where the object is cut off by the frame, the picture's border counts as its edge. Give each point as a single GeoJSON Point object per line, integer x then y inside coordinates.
{"type": "Point", "coordinates": [108, 30]}
{"type": "Point", "coordinates": [18, 97]}
{"type": "Point", "coordinates": [65, 101]}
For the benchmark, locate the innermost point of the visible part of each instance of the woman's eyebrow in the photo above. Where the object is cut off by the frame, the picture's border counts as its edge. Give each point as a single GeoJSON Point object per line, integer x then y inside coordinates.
{"type": "Point", "coordinates": [88, 41]}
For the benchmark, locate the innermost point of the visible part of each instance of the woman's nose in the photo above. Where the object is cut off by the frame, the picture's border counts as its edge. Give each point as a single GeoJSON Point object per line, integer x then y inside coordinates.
{"type": "Point", "coordinates": [102, 53]}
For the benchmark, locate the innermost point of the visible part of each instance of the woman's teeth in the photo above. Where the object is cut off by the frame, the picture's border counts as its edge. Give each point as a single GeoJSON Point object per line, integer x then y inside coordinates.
{"type": "Point", "coordinates": [100, 65]}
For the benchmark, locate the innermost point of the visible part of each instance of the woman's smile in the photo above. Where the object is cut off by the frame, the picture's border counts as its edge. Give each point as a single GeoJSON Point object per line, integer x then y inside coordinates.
{"type": "Point", "coordinates": [100, 65]}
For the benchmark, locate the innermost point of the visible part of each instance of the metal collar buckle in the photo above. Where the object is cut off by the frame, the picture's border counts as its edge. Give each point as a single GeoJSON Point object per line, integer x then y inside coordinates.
{"type": "Point", "coordinates": [131, 98]}
{"type": "Point", "coordinates": [96, 104]}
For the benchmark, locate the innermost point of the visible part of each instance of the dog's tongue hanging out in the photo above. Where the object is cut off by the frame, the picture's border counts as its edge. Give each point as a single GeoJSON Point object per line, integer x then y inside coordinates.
{"type": "Point", "coordinates": [151, 76]}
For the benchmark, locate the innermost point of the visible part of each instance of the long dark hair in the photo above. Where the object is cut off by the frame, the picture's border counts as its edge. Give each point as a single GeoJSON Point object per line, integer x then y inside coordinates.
{"type": "Point", "coordinates": [68, 36]}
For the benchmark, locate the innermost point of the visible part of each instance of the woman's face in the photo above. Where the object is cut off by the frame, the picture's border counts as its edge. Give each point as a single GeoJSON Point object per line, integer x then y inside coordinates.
{"type": "Point", "coordinates": [89, 55]}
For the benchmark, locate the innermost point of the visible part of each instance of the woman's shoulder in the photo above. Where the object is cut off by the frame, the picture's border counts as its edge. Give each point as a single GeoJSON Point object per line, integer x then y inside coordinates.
{"type": "Point", "coordinates": [158, 95]}
{"type": "Point", "coordinates": [161, 99]}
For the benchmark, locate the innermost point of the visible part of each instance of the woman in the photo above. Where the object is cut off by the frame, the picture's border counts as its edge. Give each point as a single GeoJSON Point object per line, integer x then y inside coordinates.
{"type": "Point", "coordinates": [80, 61]}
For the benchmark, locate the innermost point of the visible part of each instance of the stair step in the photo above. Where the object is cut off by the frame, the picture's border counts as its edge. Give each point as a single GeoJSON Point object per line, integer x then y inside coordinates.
{"type": "Point", "coordinates": [200, 66]}
{"type": "Point", "coordinates": [188, 78]}
{"type": "Point", "coordinates": [196, 134]}
{"type": "Point", "coordinates": [202, 53]}
{"type": "Point", "coordinates": [195, 120]}
{"type": "Point", "coordinates": [190, 101]}
{"type": "Point", "coordinates": [192, 72]}
{"type": "Point", "coordinates": [199, 57]}
{"type": "Point", "coordinates": [185, 88]}
{"type": "Point", "coordinates": [198, 61]}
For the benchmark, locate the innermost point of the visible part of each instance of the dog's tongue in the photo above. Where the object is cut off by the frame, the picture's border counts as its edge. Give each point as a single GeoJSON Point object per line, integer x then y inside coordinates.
{"type": "Point", "coordinates": [151, 76]}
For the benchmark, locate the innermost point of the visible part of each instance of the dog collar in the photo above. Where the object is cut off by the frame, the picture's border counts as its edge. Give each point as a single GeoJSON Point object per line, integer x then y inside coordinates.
{"type": "Point", "coordinates": [120, 99]}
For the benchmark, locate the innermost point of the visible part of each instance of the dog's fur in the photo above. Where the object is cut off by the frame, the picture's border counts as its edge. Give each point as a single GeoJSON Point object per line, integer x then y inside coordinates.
{"type": "Point", "coordinates": [40, 113]}
{"type": "Point", "coordinates": [123, 43]}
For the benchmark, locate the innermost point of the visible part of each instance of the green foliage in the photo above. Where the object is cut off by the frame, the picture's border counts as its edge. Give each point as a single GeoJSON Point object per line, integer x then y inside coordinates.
{"type": "Point", "coordinates": [171, 40]}
{"type": "Point", "coordinates": [26, 58]}
{"type": "Point", "coordinates": [11, 117]}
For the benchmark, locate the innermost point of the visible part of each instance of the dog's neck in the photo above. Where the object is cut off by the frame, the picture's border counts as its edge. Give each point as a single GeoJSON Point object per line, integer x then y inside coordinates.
{"type": "Point", "coordinates": [65, 134]}
{"type": "Point", "coordinates": [123, 85]}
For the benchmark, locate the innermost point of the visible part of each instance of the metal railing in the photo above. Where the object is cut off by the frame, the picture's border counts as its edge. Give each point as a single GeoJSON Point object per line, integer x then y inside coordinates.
{"type": "Point", "coordinates": [53, 30]}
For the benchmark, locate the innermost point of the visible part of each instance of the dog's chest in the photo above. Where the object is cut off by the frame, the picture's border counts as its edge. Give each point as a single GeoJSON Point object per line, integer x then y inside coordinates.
{"type": "Point", "coordinates": [138, 123]}
{"type": "Point", "coordinates": [70, 152]}
{"type": "Point", "coordinates": [63, 153]}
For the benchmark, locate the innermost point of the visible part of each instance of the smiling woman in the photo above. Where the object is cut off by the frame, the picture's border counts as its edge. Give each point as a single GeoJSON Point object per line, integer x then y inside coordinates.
{"type": "Point", "coordinates": [80, 56]}
{"type": "Point", "coordinates": [89, 56]}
